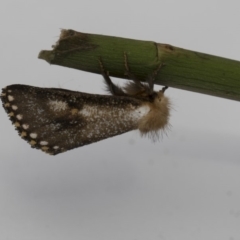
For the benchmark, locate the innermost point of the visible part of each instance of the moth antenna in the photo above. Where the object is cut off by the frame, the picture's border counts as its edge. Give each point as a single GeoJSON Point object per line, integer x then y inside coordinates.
{"type": "Point", "coordinates": [111, 87]}
{"type": "Point", "coordinates": [164, 89]}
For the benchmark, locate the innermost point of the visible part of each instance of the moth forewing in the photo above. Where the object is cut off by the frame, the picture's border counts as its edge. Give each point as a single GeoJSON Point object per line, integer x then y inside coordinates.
{"type": "Point", "coordinates": [57, 120]}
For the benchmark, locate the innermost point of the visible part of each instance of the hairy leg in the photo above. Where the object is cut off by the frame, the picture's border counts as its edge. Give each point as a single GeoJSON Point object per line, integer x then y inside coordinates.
{"type": "Point", "coordinates": [151, 79]}
{"type": "Point", "coordinates": [129, 74]}
{"type": "Point", "coordinates": [111, 87]}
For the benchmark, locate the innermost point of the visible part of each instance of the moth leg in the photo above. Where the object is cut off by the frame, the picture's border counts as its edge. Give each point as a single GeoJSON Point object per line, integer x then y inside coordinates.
{"type": "Point", "coordinates": [129, 74]}
{"type": "Point", "coordinates": [151, 79]}
{"type": "Point", "coordinates": [111, 87]}
{"type": "Point", "coordinates": [141, 89]}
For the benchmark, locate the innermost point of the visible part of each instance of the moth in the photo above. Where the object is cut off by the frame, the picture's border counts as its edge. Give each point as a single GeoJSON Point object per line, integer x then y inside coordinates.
{"type": "Point", "coordinates": [56, 120]}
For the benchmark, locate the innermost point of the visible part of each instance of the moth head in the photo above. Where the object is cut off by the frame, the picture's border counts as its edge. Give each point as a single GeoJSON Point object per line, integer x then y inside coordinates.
{"type": "Point", "coordinates": [162, 103]}
{"type": "Point", "coordinates": [158, 116]}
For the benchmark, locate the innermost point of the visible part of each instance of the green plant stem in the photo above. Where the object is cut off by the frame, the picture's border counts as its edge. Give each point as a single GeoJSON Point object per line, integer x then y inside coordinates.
{"type": "Point", "coordinates": [183, 69]}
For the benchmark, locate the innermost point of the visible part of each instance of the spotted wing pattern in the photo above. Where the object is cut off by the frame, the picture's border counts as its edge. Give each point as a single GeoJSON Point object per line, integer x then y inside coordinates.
{"type": "Point", "coordinates": [56, 120]}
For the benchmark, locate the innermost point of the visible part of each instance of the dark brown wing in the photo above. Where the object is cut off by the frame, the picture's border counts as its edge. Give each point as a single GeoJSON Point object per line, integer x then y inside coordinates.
{"type": "Point", "coordinates": [57, 120]}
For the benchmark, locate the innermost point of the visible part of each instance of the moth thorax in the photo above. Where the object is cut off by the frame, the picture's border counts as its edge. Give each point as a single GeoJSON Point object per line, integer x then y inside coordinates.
{"type": "Point", "coordinates": [158, 116]}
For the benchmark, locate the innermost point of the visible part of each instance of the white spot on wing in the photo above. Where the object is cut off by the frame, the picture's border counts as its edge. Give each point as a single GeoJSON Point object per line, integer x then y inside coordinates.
{"type": "Point", "coordinates": [33, 135]}
{"type": "Point", "coordinates": [19, 116]}
{"type": "Point", "coordinates": [86, 112]}
{"type": "Point", "coordinates": [23, 134]}
{"type": "Point", "coordinates": [43, 143]}
{"type": "Point", "coordinates": [89, 111]}
{"type": "Point", "coordinates": [140, 112]}
{"type": "Point", "coordinates": [32, 142]}
{"type": "Point", "coordinates": [25, 126]}
{"type": "Point", "coordinates": [10, 98]}
{"type": "Point", "coordinates": [58, 106]}
{"type": "Point", "coordinates": [14, 107]}
{"type": "Point", "coordinates": [45, 148]}
{"type": "Point", "coordinates": [17, 124]}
